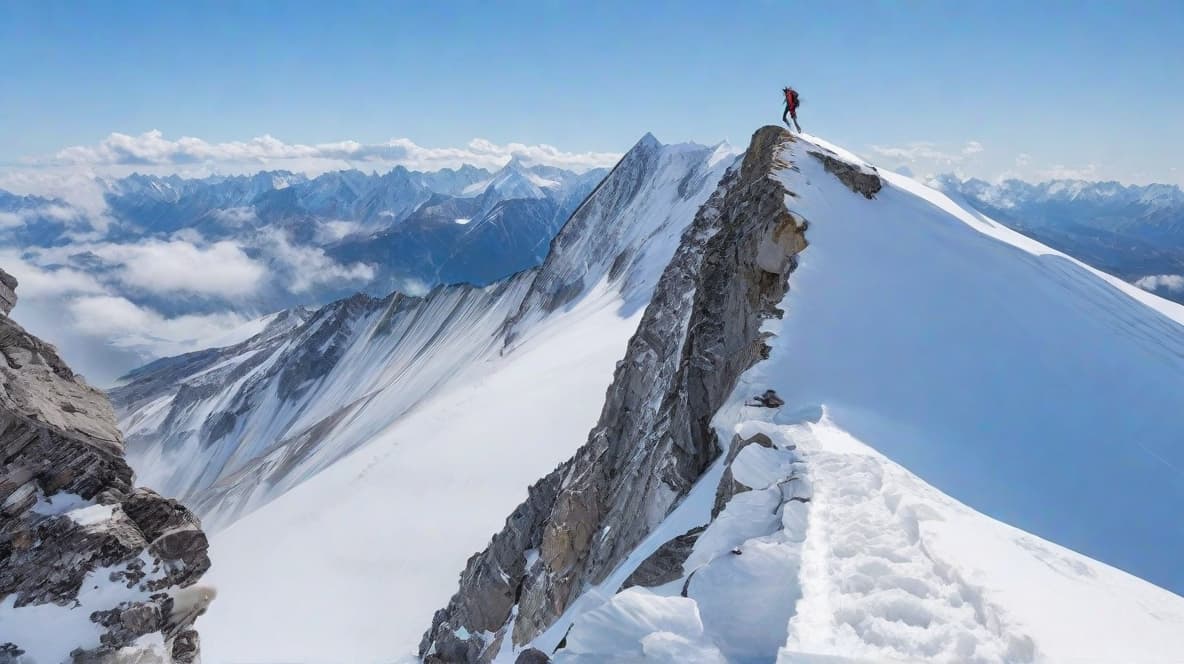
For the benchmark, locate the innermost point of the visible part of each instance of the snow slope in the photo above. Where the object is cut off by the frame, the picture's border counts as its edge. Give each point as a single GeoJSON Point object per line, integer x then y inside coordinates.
{"type": "Point", "coordinates": [877, 566]}
{"type": "Point", "coordinates": [944, 376]}
{"type": "Point", "coordinates": [230, 429]}
{"type": "Point", "coordinates": [1017, 382]}
{"type": "Point", "coordinates": [374, 447]}
{"type": "Point", "coordinates": [349, 565]}
{"type": "Point", "coordinates": [1043, 392]}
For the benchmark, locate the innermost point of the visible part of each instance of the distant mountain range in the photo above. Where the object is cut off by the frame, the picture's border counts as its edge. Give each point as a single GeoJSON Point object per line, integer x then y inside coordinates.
{"type": "Point", "coordinates": [781, 407]}
{"type": "Point", "coordinates": [446, 226]}
{"type": "Point", "coordinates": [193, 255]}
{"type": "Point", "coordinates": [181, 262]}
{"type": "Point", "coordinates": [1133, 232]}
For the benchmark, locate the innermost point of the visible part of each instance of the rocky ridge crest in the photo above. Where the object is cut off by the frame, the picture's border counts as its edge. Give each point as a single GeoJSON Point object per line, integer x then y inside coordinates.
{"type": "Point", "coordinates": [654, 438]}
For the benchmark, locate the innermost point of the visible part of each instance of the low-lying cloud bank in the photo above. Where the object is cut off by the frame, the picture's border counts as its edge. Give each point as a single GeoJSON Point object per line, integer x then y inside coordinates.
{"type": "Point", "coordinates": [151, 148]}
{"type": "Point", "coordinates": [1169, 282]}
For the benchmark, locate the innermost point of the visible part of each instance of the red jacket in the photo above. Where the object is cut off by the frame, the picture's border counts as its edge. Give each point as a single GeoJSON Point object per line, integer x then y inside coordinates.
{"type": "Point", "coordinates": [791, 100]}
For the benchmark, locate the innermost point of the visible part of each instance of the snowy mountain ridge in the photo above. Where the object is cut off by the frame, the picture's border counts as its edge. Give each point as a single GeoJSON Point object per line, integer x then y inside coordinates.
{"type": "Point", "coordinates": [1134, 232]}
{"type": "Point", "coordinates": [232, 428]}
{"type": "Point", "coordinates": [785, 539]}
{"type": "Point", "coordinates": [272, 241]}
{"type": "Point", "coordinates": [1014, 193]}
{"type": "Point", "coordinates": [998, 381]}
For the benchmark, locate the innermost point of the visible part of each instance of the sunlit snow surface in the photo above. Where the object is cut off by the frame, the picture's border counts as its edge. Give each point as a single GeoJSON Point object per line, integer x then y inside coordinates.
{"type": "Point", "coordinates": [1019, 383]}
{"type": "Point", "coordinates": [47, 633]}
{"type": "Point", "coordinates": [1027, 385]}
{"type": "Point", "coordinates": [877, 567]}
{"type": "Point", "coordinates": [379, 536]}
{"type": "Point", "coordinates": [1010, 376]}
{"type": "Point", "coordinates": [351, 564]}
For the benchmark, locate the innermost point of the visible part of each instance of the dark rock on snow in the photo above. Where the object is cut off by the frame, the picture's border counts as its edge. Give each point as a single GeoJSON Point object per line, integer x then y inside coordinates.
{"type": "Point", "coordinates": [61, 457]}
{"type": "Point", "coordinates": [654, 438]}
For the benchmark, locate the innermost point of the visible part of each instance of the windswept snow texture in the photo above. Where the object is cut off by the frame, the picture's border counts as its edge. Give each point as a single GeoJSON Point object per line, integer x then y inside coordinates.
{"type": "Point", "coordinates": [406, 428]}
{"type": "Point", "coordinates": [1028, 386]}
{"type": "Point", "coordinates": [838, 554]}
{"type": "Point", "coordinates": [1014, 378]}
{"type": "Point", "coordinates": [349, 565]}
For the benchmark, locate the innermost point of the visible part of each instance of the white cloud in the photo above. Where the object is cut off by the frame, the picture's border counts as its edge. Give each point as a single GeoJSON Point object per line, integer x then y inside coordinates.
{"type": "Point", "coordinates": [236, 216]}
{"type": "Point", "coordinates": [53, 211]}
{"type": "Point", "coordinates": [152, 149]}
{"type": "Point", "coordinates": [331, 231]}
{"type": "Point", "coordinates": [190, 235]}
{"type": "Point", "coordinates": [1169, 282]}
{"type": "Point", "coordinates": [308, 266]}
{"type": "Point", "coordinates": [922, 151]}
{"type": "Point", "coordinates": [128, 325]}
{"type": "Point", "coordinates": [177, 266]}
{"type": "Point", "coordinates": [77, 186]}
{"type": "Point", "coordinates": [35, 281]}
{"type": "Point", "coordinates": [413, 287]}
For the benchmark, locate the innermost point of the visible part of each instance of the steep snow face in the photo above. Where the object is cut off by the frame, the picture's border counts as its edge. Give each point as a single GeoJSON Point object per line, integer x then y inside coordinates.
{"type": "Point", "coordinates": [248, 422]}
{"type": "Point", "coordinates": [379, 536]}
{"type": "Point", "coordinates": [1001, 371]}
{"type": "Point", "coordinates": [384, 528]}
{"type": "Point", "coordinates": [629, 230]}
{"type": "Point", "coordinates": [232, 428]}
{"type": "Point", "coordinates": [1016, 381]}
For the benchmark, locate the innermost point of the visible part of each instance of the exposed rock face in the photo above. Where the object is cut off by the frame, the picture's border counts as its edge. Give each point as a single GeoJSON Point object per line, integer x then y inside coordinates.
{"type": "Point", "coordinates": [532, 656]}
{"type": "Point", "coordinates": [72, 525]}
{"type": "Point", "coordinates": [654, 438]}
{"type": "Point", "coordinates": [665, 564]}
{"type": "Point", "coordinates": [860, 180]}
{"type": "Point", "coordinates": [7, 292]}
{"type": "Point", "coordinates": [227, 430]}
{"type": "Point", "coordinates": [728, 486]}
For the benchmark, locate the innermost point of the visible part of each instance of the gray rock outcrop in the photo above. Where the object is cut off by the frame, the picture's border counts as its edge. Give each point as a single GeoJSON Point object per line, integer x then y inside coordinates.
{"type": "Point", "coordinates": [858, 178]}
{"type": "Point", "coordinates": [7, 292]}
{"type": "Point", "coordinates": [665, 564]}
{"type": "Point", "coordinates": [654, 438]}
{"type": "Point", "coordinates": [74, 531]}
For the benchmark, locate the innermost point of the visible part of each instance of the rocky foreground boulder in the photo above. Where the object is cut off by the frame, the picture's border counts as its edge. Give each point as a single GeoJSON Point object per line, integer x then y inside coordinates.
{"type": "Point", "coordinates": [92, 568]}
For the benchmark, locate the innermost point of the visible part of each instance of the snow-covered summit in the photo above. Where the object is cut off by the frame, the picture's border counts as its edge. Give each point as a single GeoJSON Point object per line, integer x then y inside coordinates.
{"type": "Point", "coordinates": [698, 525]}
{"type": "Point", "coordinates": [940, 376]}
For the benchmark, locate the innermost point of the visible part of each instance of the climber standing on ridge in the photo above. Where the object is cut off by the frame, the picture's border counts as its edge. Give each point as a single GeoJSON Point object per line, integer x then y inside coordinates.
{"type": "Point", "coordinates": [792, 101]}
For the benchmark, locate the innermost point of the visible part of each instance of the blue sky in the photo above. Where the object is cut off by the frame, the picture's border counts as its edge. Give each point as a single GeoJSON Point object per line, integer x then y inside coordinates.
{"type": "Point", "coordinates": [1034, 89]}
